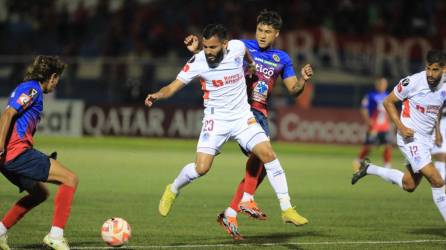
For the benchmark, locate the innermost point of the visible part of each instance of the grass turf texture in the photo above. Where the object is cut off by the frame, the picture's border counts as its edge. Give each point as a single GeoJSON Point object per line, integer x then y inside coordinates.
{"type": "Point", "coordinates": [125, 178]}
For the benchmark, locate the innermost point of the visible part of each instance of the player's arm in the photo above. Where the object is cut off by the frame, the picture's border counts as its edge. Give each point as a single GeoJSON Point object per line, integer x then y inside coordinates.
{"type": "Point", "coordinates": [164, 93]}
{"type": "Point", "coordinates": [389, 105]}
{"type": "Point", "coordinates": [365, 116]}
{"type": "Point", "coordinates": [251, 63]}
{"type": "Point", "coordinates": [438, 137]}
{"type": "Point", "coordinates": [296, 86]}
{"type": "Point", "coordinates": [5, 124]}
{"type": "Point", "coordinates": [193, 43]}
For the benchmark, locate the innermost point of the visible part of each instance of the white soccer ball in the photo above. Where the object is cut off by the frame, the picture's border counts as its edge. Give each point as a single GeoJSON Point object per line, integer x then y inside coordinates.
{"type": "Point", "coordinates": [116, 232]}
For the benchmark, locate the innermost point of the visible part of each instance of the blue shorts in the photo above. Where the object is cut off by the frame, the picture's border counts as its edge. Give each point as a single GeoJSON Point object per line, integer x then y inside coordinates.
{"type": "Point", "coordinates": [262, 121]}
{"type": "Point", "coordinates": [27, 169]}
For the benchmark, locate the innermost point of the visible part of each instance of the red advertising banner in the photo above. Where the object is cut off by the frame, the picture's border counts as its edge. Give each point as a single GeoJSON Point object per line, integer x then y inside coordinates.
{"type": "Point", "coordinates": [320, 125]}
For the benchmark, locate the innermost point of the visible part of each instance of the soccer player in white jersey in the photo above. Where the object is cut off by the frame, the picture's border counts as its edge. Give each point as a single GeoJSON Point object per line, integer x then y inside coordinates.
{"type": "Point", "coordinates": [227, 115]}
{"type": "Point", "coordinates": [439, 150]}
{"type": "Point", "coordinates": [423, 95]}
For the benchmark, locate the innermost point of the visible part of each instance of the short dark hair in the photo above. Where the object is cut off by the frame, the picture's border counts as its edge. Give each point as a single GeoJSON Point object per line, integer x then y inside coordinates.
{"type": "Point", "coordinates": [43, 67]}
{"type": "Point", "coordinates": [215, 30]}
{"type": "Point", "coordinates": [270, 17]}
{"type": "Point", "coordinates": [436, 56]}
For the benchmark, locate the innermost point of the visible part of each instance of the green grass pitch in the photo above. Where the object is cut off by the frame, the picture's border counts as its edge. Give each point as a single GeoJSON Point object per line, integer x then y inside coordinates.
{"type": "Point", "coordinates": [125, 177]}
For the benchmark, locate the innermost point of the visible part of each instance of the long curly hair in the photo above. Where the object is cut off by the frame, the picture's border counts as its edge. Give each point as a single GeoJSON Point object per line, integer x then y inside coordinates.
{"type": "Point", "coordinates": [43, 67]}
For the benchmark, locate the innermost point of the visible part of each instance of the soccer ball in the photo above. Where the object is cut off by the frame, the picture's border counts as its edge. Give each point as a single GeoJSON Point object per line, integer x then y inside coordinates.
{"type": "Point", "coordinates": [116, 232]}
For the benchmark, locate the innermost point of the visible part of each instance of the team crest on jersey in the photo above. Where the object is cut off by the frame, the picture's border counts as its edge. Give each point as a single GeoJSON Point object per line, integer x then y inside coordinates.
{"type": "Point", "coordinates": [238, 61]}
{"type": "Point", "coordinates": [405, 82]}
{"type": "Point", "coordinates": [276, 58]}
{"type": "Point", "coordinates": [251, 121]}
{"type": "Point", "coordinates": [32, 93]}
{"type": "Point", "coordinates": [261, 87]}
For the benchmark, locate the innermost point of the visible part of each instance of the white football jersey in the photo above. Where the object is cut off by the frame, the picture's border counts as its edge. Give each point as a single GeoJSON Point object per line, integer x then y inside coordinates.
{"type": "Point", "coordinates": [421, 105]}
{"type": "Point", "coordinates": [224, 86]}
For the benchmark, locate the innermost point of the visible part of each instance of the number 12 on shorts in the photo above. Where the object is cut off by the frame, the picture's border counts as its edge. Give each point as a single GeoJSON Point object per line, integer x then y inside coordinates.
{"type": "Point", "coordinates": [413, 150]}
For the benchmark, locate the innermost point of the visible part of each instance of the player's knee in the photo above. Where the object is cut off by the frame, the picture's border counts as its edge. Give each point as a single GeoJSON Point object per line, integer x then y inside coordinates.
{"type": "Point", "coordinates": [437, 182]}
{"type": "Point", "coordinates": [201, 169]}
{"type": "Point", "coordinates": [71, 179]}
{"type": "Point", "coordinates": [409, 187]}
{"type": "Point", "coordinates": [267, 156]}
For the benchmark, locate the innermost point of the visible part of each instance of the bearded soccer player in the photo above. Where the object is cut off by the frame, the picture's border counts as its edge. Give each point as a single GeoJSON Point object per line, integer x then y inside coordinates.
{"type": "Point", "coordinates": [26, 167]}
{"type": "Point", "coordinates": [227, 115]}
{"type": "Point", "coordinates": [271, 64]}
{"type": "Point", "coordinates": [423, 94]}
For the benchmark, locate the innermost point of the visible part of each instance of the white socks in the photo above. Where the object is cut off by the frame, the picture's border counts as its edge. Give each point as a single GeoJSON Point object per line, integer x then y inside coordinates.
{"type": "Point", "coordinates": [440, 166]}
{"type": "Point", "coordinates": [56, 232]}
{"type": "Point", "coordinates": [390, 175]}
{"type": "Point", "coordinates": [230, 212]}
{"type": "Point", "coordinates": [3, 229]}
{"type": "Point", "coordinates": [247, 197]}
{"type": "Point", "coordinates": [277, 179]}
{"type": "Point", "coordinates": [186, 176]}
{"type": "Point", "coordinates": [440, 200]}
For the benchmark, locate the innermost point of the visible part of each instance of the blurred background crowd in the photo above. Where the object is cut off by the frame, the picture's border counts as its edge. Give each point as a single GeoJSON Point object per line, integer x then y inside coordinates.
{"type": "Point", "coordinates": [119, 50]}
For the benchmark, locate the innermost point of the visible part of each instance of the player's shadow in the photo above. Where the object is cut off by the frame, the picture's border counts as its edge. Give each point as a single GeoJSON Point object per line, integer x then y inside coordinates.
{"type": "Point", "coordinates": [429, 231]}
{"type": "Point", "coordinates": [41, 245]}
{"type": "Point", "coordinates": [279, 239]}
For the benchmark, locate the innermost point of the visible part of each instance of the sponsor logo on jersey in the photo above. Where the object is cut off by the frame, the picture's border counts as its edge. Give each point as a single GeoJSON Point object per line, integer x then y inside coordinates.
{"type": "Point", "coordinates": [272, 64]}
{"type": "Point", "coordinates": [24, 100]}
{"type": "Point", "coordinates": [261, 87]}
{"type": "Point", "coordinates": [405, 82]}
{"type": "Point", "coordinates": [251, 121]}
{"type": "Point", "coordinates": [276, 58]}
{"type": "Point", "coordinates": [267, 72]}
{"type": "Point", "coordinates": [185, 68]}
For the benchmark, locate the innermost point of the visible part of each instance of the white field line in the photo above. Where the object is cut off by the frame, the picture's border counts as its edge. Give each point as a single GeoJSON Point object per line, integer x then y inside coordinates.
{"type": "Point", "coordinates": [264, 244]}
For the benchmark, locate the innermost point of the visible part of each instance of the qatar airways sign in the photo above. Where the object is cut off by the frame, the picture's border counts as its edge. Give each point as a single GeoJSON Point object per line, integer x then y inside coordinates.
{"type": "Point", "coordinates": [141, 121]}
{"type": "Point", "coordinates": [318, 125]}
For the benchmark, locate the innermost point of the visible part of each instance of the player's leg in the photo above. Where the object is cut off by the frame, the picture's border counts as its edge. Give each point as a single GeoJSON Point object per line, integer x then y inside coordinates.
{"type": "Point", "coordinates": [277, 178]}
{"type": "Point", "coordinates": [37, 194]}
{"type": "Point", "coordinates": [68, 182]}
{"type": "Point", "coordinates": [438, 188]}
{"type": "Point", "coordinates": [189, 173]}
{"type": "Point", "coordinates": [439, 158]}
{"type": "Point", "coordinates": [363, 152]}
{"type": "Point", "coordinates": [253, 177]}
{"type": "Point", "coordinates": [385, 139]}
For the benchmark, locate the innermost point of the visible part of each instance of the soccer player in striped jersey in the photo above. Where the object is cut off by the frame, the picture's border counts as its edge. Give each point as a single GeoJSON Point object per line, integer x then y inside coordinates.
{"type": "Point", "coordinates": [26, 167]}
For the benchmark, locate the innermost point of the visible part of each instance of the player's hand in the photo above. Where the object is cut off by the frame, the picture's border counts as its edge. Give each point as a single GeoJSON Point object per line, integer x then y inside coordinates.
{"type": "Point", "coordinates": [306, 72]}
{"type": "Point", "coordinates": [251, 69]}
{"type": "Point", "coordinates": [192, 43]}
{"type": "Point", "coordinates": [150, 99]}
{"type": "Point", "coordinates": [406, 132]}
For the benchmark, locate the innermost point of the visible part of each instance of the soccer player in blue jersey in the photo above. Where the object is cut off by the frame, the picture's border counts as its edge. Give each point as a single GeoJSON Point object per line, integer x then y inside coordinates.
{"type": "Point", "coordinates": [378, 124]}
{"type": "Point", "coordinates": [271, 64]}
{"type": "Point", "coordinates": [26, 167]}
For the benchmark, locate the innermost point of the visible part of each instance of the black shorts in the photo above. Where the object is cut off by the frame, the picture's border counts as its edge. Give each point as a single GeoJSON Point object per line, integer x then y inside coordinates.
{"type": "Point", "coordinates": [27, 169]}
{"type": "Point", "coordinates": [377, 138]}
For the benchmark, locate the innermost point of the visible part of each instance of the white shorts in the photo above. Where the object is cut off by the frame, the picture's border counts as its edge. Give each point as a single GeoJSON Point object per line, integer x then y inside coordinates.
{"type": "Point", "coordinates": [416, 150]}
{"type": "Point", "coordinates": [215, 132]}
{"type": "Point", "coordinates": [442, 149]}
